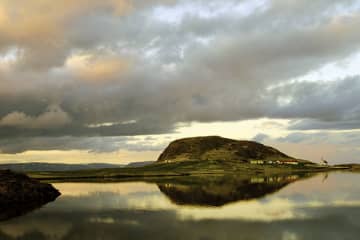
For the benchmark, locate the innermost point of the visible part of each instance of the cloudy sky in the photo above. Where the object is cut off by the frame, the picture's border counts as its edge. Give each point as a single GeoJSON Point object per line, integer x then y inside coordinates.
{"type": "Point", "coordinates": [117, 80]}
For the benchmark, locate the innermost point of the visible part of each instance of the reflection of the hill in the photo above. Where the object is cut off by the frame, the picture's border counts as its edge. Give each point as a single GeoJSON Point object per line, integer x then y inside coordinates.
{"type": "Point", "coordinates": [221, 190]}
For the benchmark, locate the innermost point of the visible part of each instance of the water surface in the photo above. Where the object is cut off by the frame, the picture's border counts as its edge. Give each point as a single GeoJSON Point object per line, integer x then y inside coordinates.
{"type": "Point", "coordinates": [288, 207]}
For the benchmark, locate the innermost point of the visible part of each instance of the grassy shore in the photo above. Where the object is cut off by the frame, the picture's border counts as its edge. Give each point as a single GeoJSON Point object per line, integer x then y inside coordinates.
{"type": "Point", "coordinates": [176, 169]}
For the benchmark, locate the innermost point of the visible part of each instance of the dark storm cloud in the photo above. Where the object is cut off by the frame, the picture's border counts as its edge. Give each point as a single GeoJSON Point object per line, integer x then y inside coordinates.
{"type": "Point", "coordinates": [92, 144]}
{"type": "Point", "coordinates": [337, 146]}
{"type": "Point", "coordinates": [130, 129]}
{"type": "Point", "coordinates": [322, 105]}
{"type": "Point", "coordinates": [340, 138]}
{"type": "Point", "coordinates": [159, 63]}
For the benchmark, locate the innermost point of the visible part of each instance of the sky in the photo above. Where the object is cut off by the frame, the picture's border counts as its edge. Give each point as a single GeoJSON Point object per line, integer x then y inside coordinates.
{"type": "Point", "coordinates": [117, 80]}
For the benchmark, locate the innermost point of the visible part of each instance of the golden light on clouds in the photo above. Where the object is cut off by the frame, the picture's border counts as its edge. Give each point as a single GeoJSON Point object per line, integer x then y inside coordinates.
{"type": "Point", "coordinates": [166, 69]}
{"type": "Point", "coordinates": [79, 157]}
{"type": "Point", "coordinates": [52, 118]}
{"type": "Point", "coordinates": [36, 19]}
{"type": "Point", "coordinates": [91, 68]}
{"type": "Point", "coordinates": [3, 17]}
{"type": "Point", "coordinates": [244, 129]}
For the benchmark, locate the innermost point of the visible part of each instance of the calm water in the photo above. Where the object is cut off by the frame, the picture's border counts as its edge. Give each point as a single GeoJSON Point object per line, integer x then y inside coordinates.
{"type": "Point", "coordinates": [320, 207]}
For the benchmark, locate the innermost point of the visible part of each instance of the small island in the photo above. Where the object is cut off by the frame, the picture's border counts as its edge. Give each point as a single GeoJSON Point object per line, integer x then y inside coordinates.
{"type": "Point", "coordinates": [200, 156]}
{"type": "Point", "coordinates": [201, 171]}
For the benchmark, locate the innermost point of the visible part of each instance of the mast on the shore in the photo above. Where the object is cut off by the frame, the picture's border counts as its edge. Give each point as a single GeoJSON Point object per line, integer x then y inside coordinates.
{"type": "Point", "coordinates": [324, 162]}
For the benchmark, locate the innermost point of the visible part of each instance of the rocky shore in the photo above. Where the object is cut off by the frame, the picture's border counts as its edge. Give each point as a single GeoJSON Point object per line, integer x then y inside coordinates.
{"type": "Point", "coordinates": [20, 194]}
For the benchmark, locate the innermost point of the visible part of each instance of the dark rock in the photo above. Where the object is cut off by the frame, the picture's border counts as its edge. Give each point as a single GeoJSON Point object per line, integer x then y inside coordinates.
{"type": "Point", "coordinates": [20, 194]}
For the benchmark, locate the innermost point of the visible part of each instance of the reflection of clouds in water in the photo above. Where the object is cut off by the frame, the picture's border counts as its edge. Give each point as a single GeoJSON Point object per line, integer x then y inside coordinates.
{"type": "Point", "coordinates": [142, 197]}
{"type": "Point", "coordinates": [289, 236]}
{"type": "Point", "coordinates": [139, 210]}
{"type": "Point", "coordinates": [288, 203]}
{"type": "Point", "coordinates": [109, 220]}
{"type": "Point", "coordinates": [276, 209]}
{"type": "Point", "coordinates": [125, 224]}
{"type": "Point", "coordinates": [338, 189]}
{"type": "Point", "coordinates": [82, 189]}
{"type": "Point", "coordinates": [52, 228]}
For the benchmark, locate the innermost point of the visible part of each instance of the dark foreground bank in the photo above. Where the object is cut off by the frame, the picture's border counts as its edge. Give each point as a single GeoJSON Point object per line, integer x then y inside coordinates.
{"type": "Point", "coordinates": [20, 194]}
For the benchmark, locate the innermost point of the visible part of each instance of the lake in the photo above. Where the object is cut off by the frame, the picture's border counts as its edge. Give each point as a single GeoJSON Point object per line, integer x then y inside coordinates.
{"type": "Point", "coordinates": [324, 206]}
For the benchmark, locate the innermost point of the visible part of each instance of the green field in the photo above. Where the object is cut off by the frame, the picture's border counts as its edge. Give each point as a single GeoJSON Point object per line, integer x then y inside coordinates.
{"type": "Point", "coordinates": [175, 169]}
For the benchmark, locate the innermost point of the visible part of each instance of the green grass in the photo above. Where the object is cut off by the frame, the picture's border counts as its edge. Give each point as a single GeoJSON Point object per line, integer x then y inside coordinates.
{"type": "Point", "coordinates": [176, 169]}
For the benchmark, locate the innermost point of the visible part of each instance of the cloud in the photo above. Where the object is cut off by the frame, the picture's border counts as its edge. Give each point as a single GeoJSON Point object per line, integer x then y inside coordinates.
{"type": "Point", "coordinates": [158, 63]}
{"type": "Point", "coordinates": [260, 137]}
{"type": "Point", "coordinates": [350, 139]}
{"type": "Point", "coordinates": [90, 144]}
{"type": "Point", "coordinates": [89, 68]}
{"type": "Point", "coordinates": [321, 105]}
{"type": "Point", "coordinates": [54, 117]}
{"type": "Point", "coordinates": [21, 24]}
{"type": "Point", "coordinates": [336, 146]}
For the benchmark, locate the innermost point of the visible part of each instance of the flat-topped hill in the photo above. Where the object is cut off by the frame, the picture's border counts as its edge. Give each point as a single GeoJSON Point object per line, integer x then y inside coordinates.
{"type": "Point", "coordinates": [219, 148]}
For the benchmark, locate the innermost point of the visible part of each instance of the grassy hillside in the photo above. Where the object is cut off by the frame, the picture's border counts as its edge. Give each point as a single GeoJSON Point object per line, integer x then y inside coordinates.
{"type": "Point", "coordinates": [218, 148]}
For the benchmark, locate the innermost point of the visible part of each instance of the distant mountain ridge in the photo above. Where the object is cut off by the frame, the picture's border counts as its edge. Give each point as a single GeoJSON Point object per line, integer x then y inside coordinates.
{"type": "Point", "coordinates": [36, 166]}
{"type": "Point", "coordinates": [219, 148]}
{"type": "Point", "coordinates": [58, 167]}
{"type": "Point", "coordinates": [139, 164]}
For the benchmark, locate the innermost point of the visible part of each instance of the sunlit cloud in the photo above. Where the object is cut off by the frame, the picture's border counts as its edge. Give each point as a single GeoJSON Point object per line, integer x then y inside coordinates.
{"type": "Point", "coordinates": [52, 118]}
{"type": "Point", "coordinates": [179, 68]}
{"type": "Point", "coordinates": [91, 68]}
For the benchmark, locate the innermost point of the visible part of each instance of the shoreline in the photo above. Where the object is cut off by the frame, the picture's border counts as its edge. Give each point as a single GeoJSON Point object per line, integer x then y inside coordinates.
{"type": "Point", "coordinates": [180, 169]}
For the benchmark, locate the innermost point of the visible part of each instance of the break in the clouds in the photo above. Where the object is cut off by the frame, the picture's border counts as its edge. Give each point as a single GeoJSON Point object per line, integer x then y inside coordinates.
{"type": "Point", "coordinates": [123, 68]}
